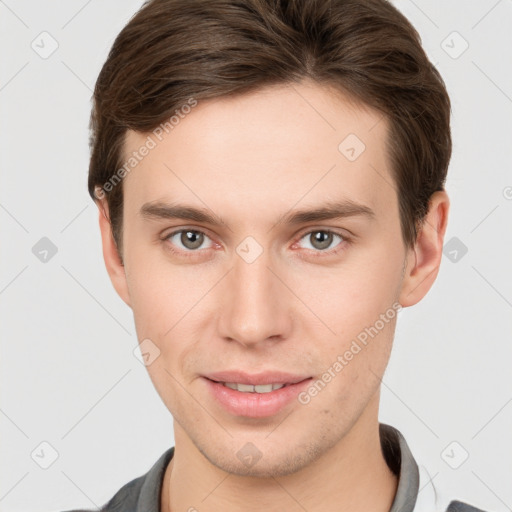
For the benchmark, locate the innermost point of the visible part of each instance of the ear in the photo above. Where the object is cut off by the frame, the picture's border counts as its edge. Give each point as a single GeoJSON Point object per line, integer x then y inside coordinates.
{"type": "Point", "coordinates": [424, 259]}
{"type": "Point", "coordinates": [113, 263]}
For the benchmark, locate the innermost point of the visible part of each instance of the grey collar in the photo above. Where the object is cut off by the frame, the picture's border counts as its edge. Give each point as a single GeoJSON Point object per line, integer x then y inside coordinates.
{"type": "Point", "coordinates": [401, 461]}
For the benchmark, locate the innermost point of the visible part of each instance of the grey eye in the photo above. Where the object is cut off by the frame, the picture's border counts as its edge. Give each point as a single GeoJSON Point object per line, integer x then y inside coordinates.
{"type": "Point", "coordinates": [188, 238]}
{"type": "Point", "coordinates": [321, 239]}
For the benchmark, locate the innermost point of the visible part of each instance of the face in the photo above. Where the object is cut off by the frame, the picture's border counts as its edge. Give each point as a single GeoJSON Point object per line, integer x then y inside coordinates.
{"type": "Point", "coordinates": [254, 293]}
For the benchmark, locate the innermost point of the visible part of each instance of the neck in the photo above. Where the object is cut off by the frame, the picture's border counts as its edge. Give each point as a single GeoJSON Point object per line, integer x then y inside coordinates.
{"type": "Point", "coordinates": [352, 476]}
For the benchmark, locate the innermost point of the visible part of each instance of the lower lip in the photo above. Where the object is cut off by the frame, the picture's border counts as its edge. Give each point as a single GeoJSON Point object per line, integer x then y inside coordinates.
{"type": "Point", "coordinates": [255, 405]}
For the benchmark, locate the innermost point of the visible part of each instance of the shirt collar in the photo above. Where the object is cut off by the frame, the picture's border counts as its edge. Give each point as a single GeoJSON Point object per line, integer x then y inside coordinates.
{"type": "Point", "coordinates": [394, 448]}
{"type": "Point", "coordinates": [401, 461]}
{"type": "Point", "coordinates": [149, 497]}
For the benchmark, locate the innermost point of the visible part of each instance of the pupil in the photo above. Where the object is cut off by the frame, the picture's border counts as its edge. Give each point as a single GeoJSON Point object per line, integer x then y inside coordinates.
{"type": "Point", "coordinates": [322, 239]}
{"type": "Point", "coordinates": [191, 239]}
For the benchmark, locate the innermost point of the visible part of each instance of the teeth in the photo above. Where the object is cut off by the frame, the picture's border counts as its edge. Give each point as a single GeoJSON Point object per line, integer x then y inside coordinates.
{"type": "Point", "coordinates": [263, 388]}
{"type": "Point", "coordinates": [249, 388]}
{"type": "Point", "coordinates": [246, 388]}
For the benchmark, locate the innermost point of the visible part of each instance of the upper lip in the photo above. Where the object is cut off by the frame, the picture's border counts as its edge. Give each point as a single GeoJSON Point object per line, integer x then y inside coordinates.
{"type": "Point", "coordinates": [256, 379]}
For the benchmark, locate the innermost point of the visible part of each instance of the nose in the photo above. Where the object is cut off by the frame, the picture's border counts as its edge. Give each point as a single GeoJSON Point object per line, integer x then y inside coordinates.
{"type": "Point", "coordinates": [256, 308]}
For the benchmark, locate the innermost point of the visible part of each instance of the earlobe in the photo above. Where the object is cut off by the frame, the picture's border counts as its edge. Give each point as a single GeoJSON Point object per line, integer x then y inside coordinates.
{"type": "Point", "coordinates": [424, 259]}
{"type": "Point", "coordinates": [113, 262]}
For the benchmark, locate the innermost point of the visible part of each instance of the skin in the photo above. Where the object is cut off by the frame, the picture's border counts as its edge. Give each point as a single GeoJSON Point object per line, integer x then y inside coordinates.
{"type": "Point", "coordinates": [252, 159]}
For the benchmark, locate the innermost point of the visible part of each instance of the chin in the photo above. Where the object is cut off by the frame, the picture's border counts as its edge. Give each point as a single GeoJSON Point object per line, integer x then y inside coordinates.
{"type": "Point", "coordinates": [271, 465]}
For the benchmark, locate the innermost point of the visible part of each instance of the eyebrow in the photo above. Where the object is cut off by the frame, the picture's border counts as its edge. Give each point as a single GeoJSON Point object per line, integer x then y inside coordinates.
{"type": "Point", "coordinates": [326, 211]}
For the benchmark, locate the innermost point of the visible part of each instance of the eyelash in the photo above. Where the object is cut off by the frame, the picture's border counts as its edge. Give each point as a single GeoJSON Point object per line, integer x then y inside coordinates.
{"type": "Point", "coordinates": [318, 253]}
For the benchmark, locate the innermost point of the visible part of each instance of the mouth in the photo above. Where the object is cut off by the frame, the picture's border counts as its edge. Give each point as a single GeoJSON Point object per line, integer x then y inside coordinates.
{"type": "Point", "coordinates": [255, 396]}
{"type": "Point", "coordinates": [249, 388]}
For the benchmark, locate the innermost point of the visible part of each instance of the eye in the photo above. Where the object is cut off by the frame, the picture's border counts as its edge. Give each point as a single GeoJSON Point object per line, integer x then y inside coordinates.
{"type": "Point", "coordinates": [190, 239]}
{"type": "Point", "coordinates": [190, 242]}
{"type": "Point", "coordinates": [322, 239]}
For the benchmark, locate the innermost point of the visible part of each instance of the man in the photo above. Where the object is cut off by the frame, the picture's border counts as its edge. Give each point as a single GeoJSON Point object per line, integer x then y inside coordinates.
{"type": "Point", "coordinates": [270, 181]}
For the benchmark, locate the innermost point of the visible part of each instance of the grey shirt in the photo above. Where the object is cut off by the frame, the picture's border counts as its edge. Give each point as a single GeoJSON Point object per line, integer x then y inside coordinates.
{"type": "Point", "coordinates": [142, 494]}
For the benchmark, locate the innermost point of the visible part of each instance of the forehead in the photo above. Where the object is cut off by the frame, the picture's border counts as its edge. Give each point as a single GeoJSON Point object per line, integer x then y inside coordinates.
{"type": "Point", "coordinates": [266, 151]}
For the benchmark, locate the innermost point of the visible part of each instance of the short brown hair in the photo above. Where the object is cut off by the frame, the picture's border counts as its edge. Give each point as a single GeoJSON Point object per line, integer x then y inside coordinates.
{"type": "Point", "coordinates": [175, 50]}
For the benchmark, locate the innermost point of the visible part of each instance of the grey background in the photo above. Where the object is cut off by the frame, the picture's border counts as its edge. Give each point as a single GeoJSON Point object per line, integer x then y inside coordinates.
{"type": "Point", "coordinates": [69, 376]}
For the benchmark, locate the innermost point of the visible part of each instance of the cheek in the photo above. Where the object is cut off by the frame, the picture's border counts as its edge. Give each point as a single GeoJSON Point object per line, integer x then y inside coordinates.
{"type": "Point", "coordinates": [158, 290]}
{"type": "Point", "coordinates": [359, 306]}
{"type": "Point", "coordinates": [351, 298]}
{"type": "Point", "coordinates": [167, 302]}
